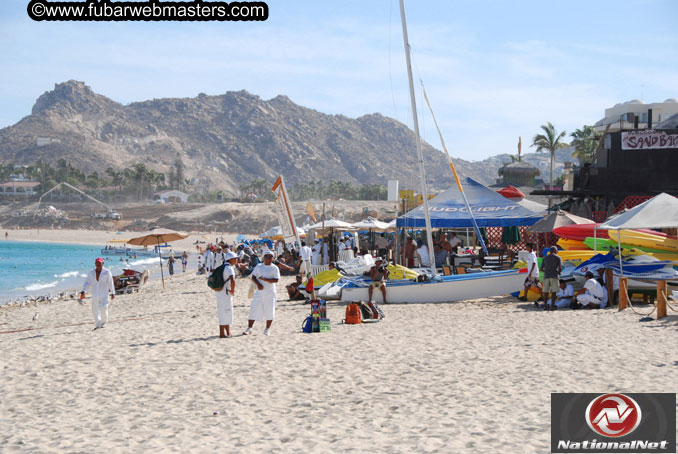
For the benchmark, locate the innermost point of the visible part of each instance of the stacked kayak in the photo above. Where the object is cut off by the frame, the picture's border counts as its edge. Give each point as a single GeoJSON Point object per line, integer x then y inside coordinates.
{"type": "Point", "coordinates": [581, 242]}
{"type": "Point", "coordinates": [642, 239]}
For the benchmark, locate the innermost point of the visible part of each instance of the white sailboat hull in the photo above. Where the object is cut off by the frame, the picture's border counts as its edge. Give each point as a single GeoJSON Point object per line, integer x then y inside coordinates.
{"type": "Point", "coordinates": [448, 289]}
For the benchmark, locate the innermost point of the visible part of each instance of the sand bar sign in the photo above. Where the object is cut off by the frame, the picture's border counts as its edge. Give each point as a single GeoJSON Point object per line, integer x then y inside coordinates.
{"type": "Point", "coordinates": [643, 140]}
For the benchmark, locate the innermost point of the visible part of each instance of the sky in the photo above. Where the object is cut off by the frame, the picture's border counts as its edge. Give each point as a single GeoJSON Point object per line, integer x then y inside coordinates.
{"type": "Point", "coordinates": [493, 70]}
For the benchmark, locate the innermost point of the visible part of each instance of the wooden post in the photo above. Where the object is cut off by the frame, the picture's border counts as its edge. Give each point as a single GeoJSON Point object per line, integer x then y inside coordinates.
{"type": "Point", "coordinates": [609, 284]}
{"type": "Point", "coordinates": [661, 299]}
{"type": "Point", "coordinates": [623, 293]}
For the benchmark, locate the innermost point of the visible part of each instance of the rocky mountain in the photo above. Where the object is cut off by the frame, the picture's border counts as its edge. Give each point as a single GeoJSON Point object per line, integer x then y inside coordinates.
{"type": "Point", "coordinates": [227, 140]}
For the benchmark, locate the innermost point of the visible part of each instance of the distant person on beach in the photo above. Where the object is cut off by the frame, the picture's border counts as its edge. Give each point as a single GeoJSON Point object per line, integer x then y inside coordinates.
{"type": "Point", "coordinates": [564, 297]}
{"type": "Point", "coordinates": [532, 279]}
{"type": "Point", "coordinates": [454, 241]}
{"type": "Point", "coordinates": [265, 276]}
{"type": "Point", "coordinates": [423, 255]}
{"type": "Point", "coordinates": [306, 255]}
{"type": "Point", "coordinates": [552, 266]}
{"type": "Point", "coordinates": [293, 290]}
{"type": "Point", "coordinates": [602, 278]}
{"type": "Point", "coordinates": [441, 255]}
{"type": "Point", "coordinates": [170, 264]}
{"type": "Point", "coordinates": [382, 246]}
{"type": "Point", "coordinates": [209, 259]}
{"type": "Point", "coordinates": [317, 248]}
{"type": "Point", "coordinates": [378, 275]}
{"type": "Point", "coordinates": [409, 252]}
{"type": "Point", "coordinates": [342, 245]}
{"type": "Point", "coordinates": [225, 296]}
{"type": "Point", "coordinates": [184, 261]}
{"type": "Point", "coordinates": [591, 296]}
{"type": "Point", "coordinates": [99, 282]}
{"type": "Point", "coordinates": [325, 254]}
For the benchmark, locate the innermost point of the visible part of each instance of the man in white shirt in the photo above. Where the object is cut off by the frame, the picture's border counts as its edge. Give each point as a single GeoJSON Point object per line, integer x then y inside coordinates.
{"type": "Point", "coordinates": [565, 296]}
{"type": "Point", "coordinates": [99, 281]}
{"type": "Point", "coordinates": [225, 296]}
{"type": "Point", "coordinates": [209, 260]}
{"type": "Point", "coordinates": [591, 296]}
{"type": "Point", "coordinates": [532, 279]}
{"type": "Point", "coordinates": [305, 254]}
{"type": "Point", "coordinates": [325, 254]}
{"type": "Point", "coordinates": [454, 240]}
{"type": "Point", "coordinates": [424, 256]}
{"type": "Point", "coordinates": [265, 275]}
{"type": "Point", "coordinates": [316, 252]}
{"type": "Point", "coordinates": [342, 245]}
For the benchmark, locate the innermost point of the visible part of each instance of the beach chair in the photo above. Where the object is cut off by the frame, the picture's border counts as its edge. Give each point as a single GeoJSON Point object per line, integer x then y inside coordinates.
{"type": "Point", "coordinates": [137, 287]}
{"type": "Point", "coordinates": [315, 269]}
{"type": "Point", "coordinates": [346, 255]}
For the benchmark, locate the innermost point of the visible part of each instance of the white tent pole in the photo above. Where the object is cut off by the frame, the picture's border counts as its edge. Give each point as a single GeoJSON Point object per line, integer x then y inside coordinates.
{"type": "Point", "coordinates": [621, 269]}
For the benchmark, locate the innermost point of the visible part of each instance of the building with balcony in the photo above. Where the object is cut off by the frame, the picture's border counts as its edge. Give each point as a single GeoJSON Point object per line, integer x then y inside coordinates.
{"type": "Point", "coordinates": [635, 114]}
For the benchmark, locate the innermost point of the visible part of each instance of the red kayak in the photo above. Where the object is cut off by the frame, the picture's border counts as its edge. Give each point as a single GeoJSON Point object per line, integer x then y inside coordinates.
{"type": "Point", "coordinates": [580, 232]}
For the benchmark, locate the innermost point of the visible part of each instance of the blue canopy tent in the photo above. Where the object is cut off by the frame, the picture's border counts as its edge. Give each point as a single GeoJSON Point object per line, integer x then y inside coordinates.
{"type": "Point", "coordinates": [490, 209]}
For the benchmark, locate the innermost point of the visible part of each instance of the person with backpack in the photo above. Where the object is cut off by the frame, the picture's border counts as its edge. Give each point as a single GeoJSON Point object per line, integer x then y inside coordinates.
{"type": "Point", "coordinates": [265, 276]}
{"type": "Point", "coordinates": [225, 294]}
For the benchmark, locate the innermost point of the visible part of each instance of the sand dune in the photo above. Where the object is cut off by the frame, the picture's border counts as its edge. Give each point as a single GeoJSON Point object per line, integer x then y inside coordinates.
{"type": "Point", "coordinates": [463, 377]}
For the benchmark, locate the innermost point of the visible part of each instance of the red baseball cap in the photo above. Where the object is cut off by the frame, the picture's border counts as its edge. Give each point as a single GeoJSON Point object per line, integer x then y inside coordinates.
{"type": "Point", "coordinates": [99, 259]}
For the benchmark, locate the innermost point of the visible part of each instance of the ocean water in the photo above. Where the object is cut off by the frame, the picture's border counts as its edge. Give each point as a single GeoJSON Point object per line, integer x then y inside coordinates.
{"type": "Point", "coordinates": [32, 269]}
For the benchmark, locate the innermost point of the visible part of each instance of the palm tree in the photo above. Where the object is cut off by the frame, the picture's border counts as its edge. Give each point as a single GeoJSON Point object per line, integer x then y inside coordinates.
{"type": "Point", "coordinates": [585, 144]}
{"type": "Point", "coordinates": [549, 141]}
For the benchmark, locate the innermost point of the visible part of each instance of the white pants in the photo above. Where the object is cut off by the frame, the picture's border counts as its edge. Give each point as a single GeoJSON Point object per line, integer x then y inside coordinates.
{"type": "Point", "coordinates": [586, 299]}
{"type": "Point", "coordinates": [100, 310]}
{"type": "Point", "coordinates": [225, 308]}
{"type": "Point", "coordinates": [305, 267]}
{"type": "Point", "coordinates": [562, 302]}
{"type": "Point", "coordinates": [263, 306]}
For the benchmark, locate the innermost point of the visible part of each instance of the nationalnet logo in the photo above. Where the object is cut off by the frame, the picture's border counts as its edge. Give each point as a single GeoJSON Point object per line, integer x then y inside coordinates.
{"type": "Point", "coordinates": [582, 422]}
{"type": "Point", "coordinates": [613, 415]}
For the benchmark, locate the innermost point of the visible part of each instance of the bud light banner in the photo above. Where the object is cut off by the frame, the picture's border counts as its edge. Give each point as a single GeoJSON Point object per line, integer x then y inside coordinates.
{"type": "Point", "coordinates": [630, 422]}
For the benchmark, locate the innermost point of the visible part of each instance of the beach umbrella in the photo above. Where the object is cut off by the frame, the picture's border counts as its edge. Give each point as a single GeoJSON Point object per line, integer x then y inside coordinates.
{"type": "Point", "coordinates": [332, 224]}
{"type": "Point", "coordinates": [511, 192]}
{"type": "Point", "coordinates": [155, 237]}
{"type": "Point", "coordinates": [372, 224]}
{"type": "Point", "coordinates": [275, 233]}
{"type": "Point", "coordinates": [510, 235]}
{"type": "Point", "coordinates": [557, 219]}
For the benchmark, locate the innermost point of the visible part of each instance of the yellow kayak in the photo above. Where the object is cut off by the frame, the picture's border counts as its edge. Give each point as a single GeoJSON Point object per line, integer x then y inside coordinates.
{"type": "Point", "coordinates": [643, 239]}
{"type": "Point", "coordinates": [395, 272]}
{"type": "Point", "coordinates": [572, 245]}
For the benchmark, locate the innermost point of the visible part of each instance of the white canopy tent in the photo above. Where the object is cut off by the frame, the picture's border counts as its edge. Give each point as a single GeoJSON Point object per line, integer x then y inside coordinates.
{"type": "Point", "coordinates": [660, 212]}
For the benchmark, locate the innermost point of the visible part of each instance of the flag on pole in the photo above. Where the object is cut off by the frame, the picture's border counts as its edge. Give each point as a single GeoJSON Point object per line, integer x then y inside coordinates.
{"type": "Point", "coordinates": [311, 212]}
{"type": "Point", "coordinates": [287, 225]}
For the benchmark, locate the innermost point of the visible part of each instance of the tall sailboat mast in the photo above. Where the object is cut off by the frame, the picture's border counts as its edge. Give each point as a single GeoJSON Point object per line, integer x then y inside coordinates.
{"type": "Point", "coordinates": [420, 154]}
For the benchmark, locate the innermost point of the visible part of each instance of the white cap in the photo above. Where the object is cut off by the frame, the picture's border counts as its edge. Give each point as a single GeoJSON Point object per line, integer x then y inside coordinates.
{"type": "Point", "coordinates": [230, 255]}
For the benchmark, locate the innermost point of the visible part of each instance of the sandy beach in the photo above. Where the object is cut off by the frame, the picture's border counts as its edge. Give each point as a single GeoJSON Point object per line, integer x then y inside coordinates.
{"type": "Point", "coordinates": [463, 377]}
